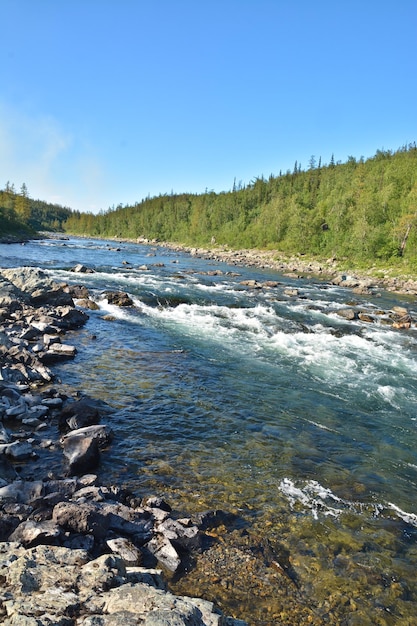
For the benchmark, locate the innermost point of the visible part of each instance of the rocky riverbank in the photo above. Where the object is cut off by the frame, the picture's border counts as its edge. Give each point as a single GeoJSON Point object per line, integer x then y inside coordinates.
{"type": "Point", "coordinates": [298, 266]}
{"type": "Point", "coordinates": [74, 552]}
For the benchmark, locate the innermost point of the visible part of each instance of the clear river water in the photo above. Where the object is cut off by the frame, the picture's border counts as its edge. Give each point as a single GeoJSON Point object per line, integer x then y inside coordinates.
{"type": "Point", "coordinates": [265, 404]}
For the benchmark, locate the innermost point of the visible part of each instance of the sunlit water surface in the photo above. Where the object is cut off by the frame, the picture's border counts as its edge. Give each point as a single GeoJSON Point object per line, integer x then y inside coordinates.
{"type": "Point", "coordinates": [260, 403]}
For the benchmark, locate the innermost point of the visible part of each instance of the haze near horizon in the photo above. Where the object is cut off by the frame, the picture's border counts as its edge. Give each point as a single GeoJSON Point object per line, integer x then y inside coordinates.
{"type": "Point", "coordinates": [105, 103]}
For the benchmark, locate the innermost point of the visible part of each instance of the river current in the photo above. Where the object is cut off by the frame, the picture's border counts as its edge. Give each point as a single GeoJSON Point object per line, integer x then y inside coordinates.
{"type": "Point", "coordinates": [262, 402]}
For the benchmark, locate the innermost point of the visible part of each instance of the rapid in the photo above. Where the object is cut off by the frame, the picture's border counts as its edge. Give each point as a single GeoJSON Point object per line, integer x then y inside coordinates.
{"type": "Point", "coordinates": [263, 402]}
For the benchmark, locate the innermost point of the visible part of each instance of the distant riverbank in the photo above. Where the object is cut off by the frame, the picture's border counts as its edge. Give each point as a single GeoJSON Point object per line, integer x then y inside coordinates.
{"type": "Point", "coordinates": [330, 270]}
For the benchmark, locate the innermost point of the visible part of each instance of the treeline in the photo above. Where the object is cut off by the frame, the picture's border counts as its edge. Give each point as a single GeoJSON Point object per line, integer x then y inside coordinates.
{"type": "Point", "coordinates": [21, 213]}
{"type": "Point", "coordinates": [364, 210]}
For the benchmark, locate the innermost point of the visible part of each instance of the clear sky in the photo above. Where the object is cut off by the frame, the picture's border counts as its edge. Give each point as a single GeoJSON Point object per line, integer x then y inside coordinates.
{"type": "Point", "coordinates": [106, 101]}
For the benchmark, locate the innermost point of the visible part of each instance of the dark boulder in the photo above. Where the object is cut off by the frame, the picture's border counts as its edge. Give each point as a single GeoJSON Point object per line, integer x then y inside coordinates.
{"type": "Point", "coordinates": [78, 414]}
{"type": "Point", "coordinates": [118, 298]}
{"type": "Point", "coordinates": [82, 453]}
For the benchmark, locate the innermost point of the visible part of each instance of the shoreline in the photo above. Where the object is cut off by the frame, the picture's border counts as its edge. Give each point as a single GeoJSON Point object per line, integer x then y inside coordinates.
{"type": "Point", "coordinates": [74, 551]}
{"type": "Point", "coordinates": [326, 270]}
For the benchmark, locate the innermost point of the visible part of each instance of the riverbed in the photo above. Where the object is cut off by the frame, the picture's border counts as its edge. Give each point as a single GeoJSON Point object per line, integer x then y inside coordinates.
{"type": "Point", "coordinates": [242, 388]}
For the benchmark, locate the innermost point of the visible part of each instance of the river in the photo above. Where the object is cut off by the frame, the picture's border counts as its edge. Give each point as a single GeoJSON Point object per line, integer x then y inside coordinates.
{"type": "Point", "coordinates": [265, 403]}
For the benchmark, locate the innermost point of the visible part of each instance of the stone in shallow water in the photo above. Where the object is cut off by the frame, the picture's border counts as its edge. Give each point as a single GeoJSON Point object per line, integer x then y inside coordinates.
{"type": "Point", "coordinates": [18, 450]}
{"type": "Point", "coordinates": [82, 452]}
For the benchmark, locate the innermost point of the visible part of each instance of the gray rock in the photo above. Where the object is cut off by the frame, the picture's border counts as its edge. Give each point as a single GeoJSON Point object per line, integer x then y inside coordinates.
{"type": "Point", "coordinates": [164, 551]}
{"type": "Point", "coordinates": [69, 318]}
{"type": "Point", "coordinates": [4, 435]}
{"type": "Point", "coordinates": [82, 269]}
{"type": "Point", "coordinates": [101, 432]}
{"type": "Point", "coordinates": [37, 285]}
{"type": "Point", "coordinates": [126, 550]}
{"type": "Point", "coordinates": [118, 298]}
{"type": "Point", "coordinates": [81, 413]}
{"type": "Point", "coordinates": [81, 518]}
{"type": "Point", "coordinates": [347, 314]}
{"type": "Point", "coordinates": [22, 491]}
{"type": "Point", "coordinates": [82, 452]}
{"type": "Point", "coordinates": [17, 450]}
{"type": "Point", "coordinates": [29, 532]}
{"type": "Point", "coordinates": [82, 447]}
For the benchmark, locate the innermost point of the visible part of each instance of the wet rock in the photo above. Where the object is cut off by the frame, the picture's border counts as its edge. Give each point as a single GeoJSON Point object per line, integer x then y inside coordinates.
{"type": "Point", "coordinates": [101, 432]}
{"type": "Point", "coordinates": [253, 284]}
{"type": "Point", "coordinates": [82, 269]}
{"type": "Point", "coordinates": [77, 291]}
{"type": "Point", "coordinates": [213, 519]}
{"type": "Point", "coordinates": [17, 450]}
{"type": "Point", "coordinates": [118, 298]}
{"type": "Point", "coordinates": [365, 317]}
{"type": "Point", "coordinates": [291, 292]}
{"type": "Point", "coordinates": [80, 413]}
{"type": "Point", "coordinates": [402, 322]}
{"type": "Point", "coordinates": [69, 318]}
{"type": "Point", "coordinates": [86, 303]}
{"type": "Point", "coordinates": [347, 314]}
{"type": "Point", "coordinates": [82, 452]}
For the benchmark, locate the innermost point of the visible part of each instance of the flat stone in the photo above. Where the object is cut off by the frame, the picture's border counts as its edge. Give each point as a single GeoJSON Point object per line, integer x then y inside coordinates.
{"type": "Point", "coordinates": [126, 550]}
{"type": "Point", "coordinates": [30, 531]}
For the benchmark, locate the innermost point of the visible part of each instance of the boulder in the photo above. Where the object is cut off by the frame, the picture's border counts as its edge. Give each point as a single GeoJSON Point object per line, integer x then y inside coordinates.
{"type": "Point", "coordinates": [82, 269]}
{"type": "Point", "coordinates": [87, 303]}
{"type": "Point", "coordinates": [30, 532]}
{"type": "Point", "coordinates": [78, 414]}
{"type": "Point", "coordinates": [365, 317]}
{"type": "Point", "coordinates": [37, 285]}
{"type": "Point", "coordinates": [82, 452]}
{"type": "Point", "coordinates": [69, 318]}
{"type": "Point", "coordinates": [347, 314]}
{"type": "Point", "coordinates": [81, 518]}
{"type": "Point", "coordinates": [118, 298]}
{"type": "Point", "coordinates": [402, 322]}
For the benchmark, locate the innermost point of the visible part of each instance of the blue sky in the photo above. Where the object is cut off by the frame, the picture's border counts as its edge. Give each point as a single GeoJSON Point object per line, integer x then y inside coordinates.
{"type": "Point", "coordinates": [106, 101]}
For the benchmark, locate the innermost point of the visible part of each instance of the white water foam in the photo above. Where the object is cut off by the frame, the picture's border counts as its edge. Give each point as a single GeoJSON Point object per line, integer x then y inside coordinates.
{"type": "Point", "coordinates": [409, 518]}
{"type": "Point", "coordinates": [320, 501]}
{"type": "Point", "coordinates": [313, 497]}
{"type": "Point", "coordinates": [350, 362]}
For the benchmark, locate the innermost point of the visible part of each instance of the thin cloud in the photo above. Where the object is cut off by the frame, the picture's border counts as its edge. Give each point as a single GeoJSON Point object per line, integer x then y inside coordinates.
{"type": "Point", "coordinates": [55, 165]}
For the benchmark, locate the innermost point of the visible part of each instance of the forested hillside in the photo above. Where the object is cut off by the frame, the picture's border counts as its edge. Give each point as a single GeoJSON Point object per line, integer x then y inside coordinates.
{"type": "Point", "coordinates": [361, 210]}
{"type": "Point", "coordinates": [365, 210]}
{"type": "Point", "coordinates": [21, 214]}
